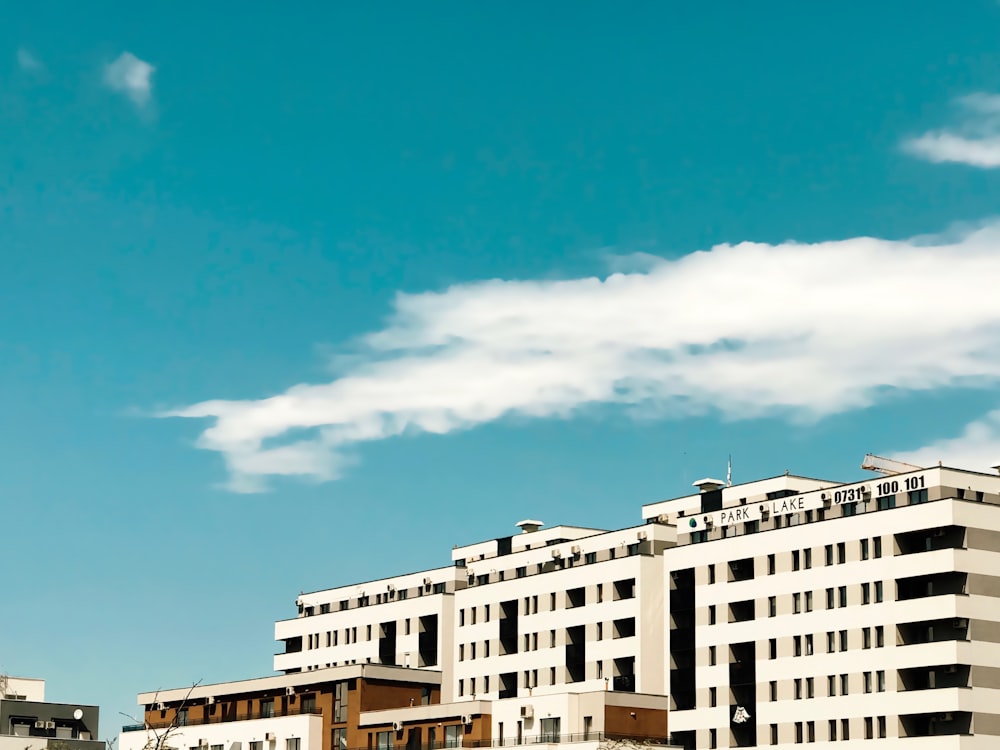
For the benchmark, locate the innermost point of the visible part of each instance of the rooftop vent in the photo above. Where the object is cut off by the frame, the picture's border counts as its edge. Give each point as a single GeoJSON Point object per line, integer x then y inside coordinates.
{"type": "Point", "coordinates": [527, 526]}
{"type": "Point", "coordinates": [707, 484]}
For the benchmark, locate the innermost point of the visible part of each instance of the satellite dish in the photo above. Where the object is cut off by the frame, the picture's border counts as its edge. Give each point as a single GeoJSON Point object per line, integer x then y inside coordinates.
{"type": "Point", "coordinates": [78, 714]}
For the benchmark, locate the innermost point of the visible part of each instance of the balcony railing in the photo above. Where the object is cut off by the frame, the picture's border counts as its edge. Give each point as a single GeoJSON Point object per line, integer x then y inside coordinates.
{"type": "Point", "coordinates": [555, 738]}
{"type": "Point", "coordinates": [221, 718]}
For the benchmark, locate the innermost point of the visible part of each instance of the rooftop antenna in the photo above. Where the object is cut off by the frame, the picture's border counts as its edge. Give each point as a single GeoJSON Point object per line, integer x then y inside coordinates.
{"type": "Point", "coordinates": [887, 466]}
{"type": "Point", "coordinates": [729, 472]}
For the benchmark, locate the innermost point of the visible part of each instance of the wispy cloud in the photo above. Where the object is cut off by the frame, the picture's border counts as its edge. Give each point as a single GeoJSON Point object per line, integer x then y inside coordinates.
{"type": "Point", "coordinates": [794, 330]}
{"type": "Point", "coordinates": [130, 76]}
{"type": "Point", "coordinates": [975, 140]}
{"type": "Point", "coordinates": [978, 447]}
{"type": "Point", "coordinates": [28, 62]}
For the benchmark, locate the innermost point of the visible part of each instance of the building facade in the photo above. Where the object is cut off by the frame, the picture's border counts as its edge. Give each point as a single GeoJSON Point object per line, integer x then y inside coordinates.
{"type": "Point", "coordinates": [785, 611]}
{"type": "Point", "coordinates": [27, 720]}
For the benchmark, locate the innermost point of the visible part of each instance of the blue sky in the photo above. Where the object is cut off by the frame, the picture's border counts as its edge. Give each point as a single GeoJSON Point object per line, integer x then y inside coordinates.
{"type": "Point", "coordinates": [402, 227]}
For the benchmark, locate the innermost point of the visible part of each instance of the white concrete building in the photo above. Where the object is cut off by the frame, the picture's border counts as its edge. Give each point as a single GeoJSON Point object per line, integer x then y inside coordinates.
{"type": "Point", "coordinates": [27, 720]}
{"type": "Point", "coordinates": [773, 613]}
{"type": "Point", "coordinates": [804, 612]}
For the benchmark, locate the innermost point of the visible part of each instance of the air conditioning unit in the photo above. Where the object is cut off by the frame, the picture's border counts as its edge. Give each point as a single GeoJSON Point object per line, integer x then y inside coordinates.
{"type": "Point", "coordinates": [664, 518]}
{"type": "Point", "coordinates": [939, 532]}
{"type": "Point", "coordinates": [765, 513]}
{"type": "Point", "coordinates": [427, 582]}
{"type": "Point", "coordinates": [961, 622]}
{"type": "Point", "coordinates": [39, 725]}
{"type": "Point", "coordinates": [390, 587]}
{"type": "Point", "coordinates": [527, 712]}
{"type": "Point", "coordinates": [50, 725]}
{"type": "Point", "coordinates": [949, 716]}
{"type": "Point", "coordinates": [641, 535]}
{"type": "Point", "coordinates": [556, 553]}
{"type": "Point", "coordinates": [827, 501]}
{"type": "Point", "coordinates": [708, 522]}
{"type": "Point", "coordinates": [951, 669]}
{"type": "Point", "coordinates": [466, 719]}
{"type": "Point", "coordinates": [203, 742]}
{"type": "Point", "coordinates": [269, 737]}
{"type": "Point", "coordinates": [397, 726]}
{"type": "Point", "coordinates": [289, 691]}
{"type": "Point", "coordinates": [209, 700]}
{"type": "Point", "coordinates": [575, 549]}
{"type": "Point", "coordinates": [161, 707]}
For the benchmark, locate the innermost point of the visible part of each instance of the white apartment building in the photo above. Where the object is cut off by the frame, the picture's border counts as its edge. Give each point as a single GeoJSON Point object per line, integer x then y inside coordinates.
{"type": "Point", "coordinates": [807, 612]}
{"type": "Point", "coordinates": [780, 612]}
{"type": "Point", "coordinates": [28, 721]}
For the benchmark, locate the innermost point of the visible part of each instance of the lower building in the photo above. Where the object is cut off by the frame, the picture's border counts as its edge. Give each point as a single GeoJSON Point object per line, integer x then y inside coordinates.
{"type": "Point", "coordinates": [27, 720]}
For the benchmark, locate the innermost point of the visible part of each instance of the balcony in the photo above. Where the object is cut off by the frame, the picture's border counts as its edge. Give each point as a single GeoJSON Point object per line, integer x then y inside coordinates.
{"type": "Point", "coordinates": [222, 718]}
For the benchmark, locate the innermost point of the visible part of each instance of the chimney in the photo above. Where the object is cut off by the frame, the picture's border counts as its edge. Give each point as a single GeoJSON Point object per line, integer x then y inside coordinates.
{"type": "Point", "coordinates": [527, 526]}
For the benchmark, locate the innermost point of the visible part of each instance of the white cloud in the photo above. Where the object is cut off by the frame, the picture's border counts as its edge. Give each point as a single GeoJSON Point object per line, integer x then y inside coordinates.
{"type": "Point", "coordinates": [793, 330]}
{"type": "Point", "coordinates": [975, 141]}
{"type": "Point", "coordinates": [28, 62]}
{"type": "Point", "coordinates": [977, 448]}
{"type": "Point", "coordinates": [130, 76]}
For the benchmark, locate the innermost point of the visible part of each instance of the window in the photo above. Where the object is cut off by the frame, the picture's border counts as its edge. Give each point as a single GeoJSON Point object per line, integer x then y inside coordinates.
{"type": "Point", "coordinates": [830, 642]}
{"type": "Point", "coordinates": [844, 684]}
{"type": "Point", "coordinates": [712, 702]}
{"type": "Point", "coordinates": [841, 553]}
{"type": "Point", "coordinates": [293, 743]}
{"type": "Point", "coordinates": [879, 636]}
{"type": "Point", "coordinates": [880, 681]}
{"type": "Point", "coordinates": [866, 594]}
{"type": "Point", "coordinates": [877, 547]}
{"type": "Point", "coordinates": [472, 615]}
{"type": "Point", "coordinates": [534, 604]}
{"type": "Point", "coordinates": [770, 565]}
{"type": "Point", "coordinates": [881, 727]}
{"type": "Point", "coordinates": [842, 595]}
{"type": "Point", "coordinates": [486, 684]}
{"type": "Point", "coordinates": [624, 628]}
{"type": "Point", "coordinates": [552, 601]}
{"type": "Point", "coordinates": [773, 688]}
{"type": "Point", "coordinates": [829, 598]}
{"type": "Point", "coordinates": [266, 709]}
{"type": "Point", "coordinates": [843, 640]}
{"type": "Point", "coordinates": [832, 730]}
{"type": "Point", "coordinates": [258, 745]}
{"type": "Point", "coordinates": [809, 601]}
{"type": "Point", "coordinates": [711, 656]}
{"type": "Point", "coordinates": [308, 705]}
{"type": "Point", "coordinates": [552, 637]}
{"type": "Point", "coordinates": [486, 613]}
{"type": "Point", "coordinates": [868, 683]}
{"type": "Point", "coordinates": [774, 734]}
{"type": "Point", "coordinates": [850, 509]}
{"type": "Point", "coordinates": [885, 502]}
{"type": "Point", "coordinates": [809, 644]}
{"type": "Point", "coordinates": [486, 649]}
{"type": "Point", "coordinates": [869, 732]}
{"type": "Point", "coordinates": [831, 685]}
{"type": "Point", "coordinates": [845, 729]}
{"type": "Point", "coordinates": [798, 688]}
{"type": "Point", "coordinates": [866, 638]}
{"type": "Point", "coordinates": [182, 717]}
{"type": "Point", "coordinates": [624, 589]}
{"type": "Point", "coordinates": [453, 735]}
{"type": "Point", "coordinates": [796, 603]}
{"type": "Point", "coordinates": [878, 591]}
{"type": "Point", "coordinates": [864, 549]}
{"type": "Point", "coordinates": [340, 702]}
{"type": "Point", "coordinates": [461, 688]}
{"type": "Point", "coordinates": [472, 686]}
{"type": "Point", "coordinates": [810, 731]}
{"type": "Point", "coordinates": [807, 556]}
{"type": "Point", "coordinates": [795, 559]}
{"type": "Point", "coordinates": [772, 649]}
{"type": "Point", "coordinates": [797, 641]}
{"type": "Point", "coordinates": [916, 497]}
{"type": "Point", "coordinates": [600, 631]}
{"type": "Point", "coordinates": [461, 652]}
{"type": "Point", "coordinates": [589, 558]}
{"type": "Point", "coordinates": [550, 730]}
{"type": "Point", "coordinates": [521, 572]}
{"type": "Point", "coordinates": [772, 606]}
{"type": "Point", "coordinates": [711, 614]}
{"type": "Point", "coordinates": [711, 573]}
{"type": "Point", "coordinates": [472, 650]}
{"type": "Point", "coordinates": [829, 554]}
{"type": "Point", "coordinates": [810, 689]}
{"type": "Point", "coordinates": [600, 593]}
{"type": "Point", "coordinates": [798, 732]}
